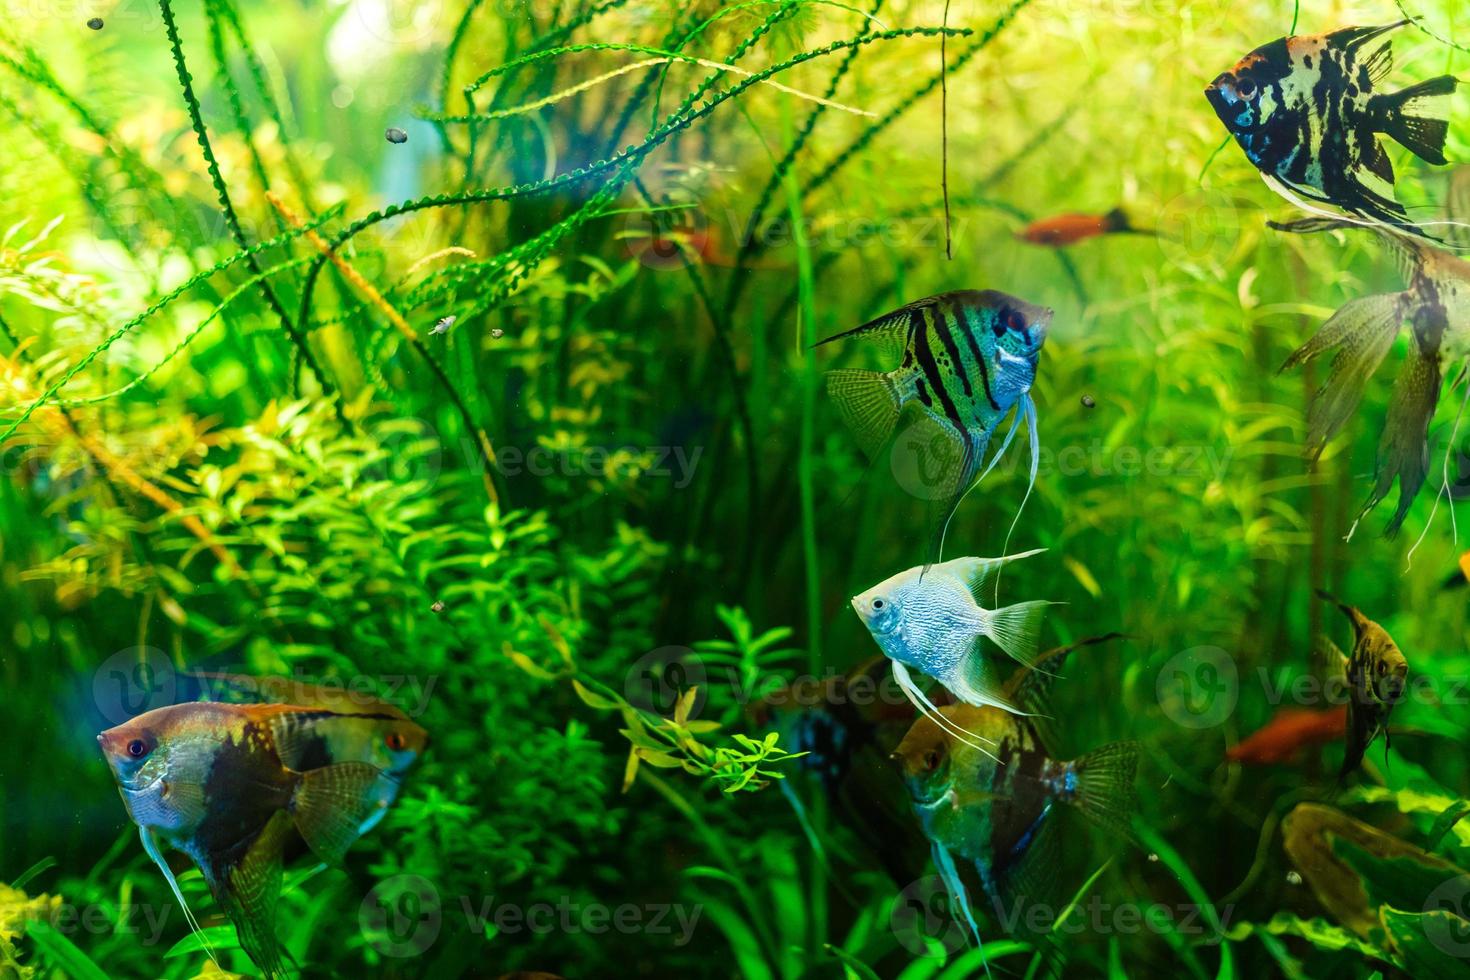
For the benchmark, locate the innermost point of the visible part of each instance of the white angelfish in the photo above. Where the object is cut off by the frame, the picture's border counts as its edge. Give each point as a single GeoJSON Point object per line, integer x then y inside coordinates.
{"type": "Point", "coordinates": [932, 621]}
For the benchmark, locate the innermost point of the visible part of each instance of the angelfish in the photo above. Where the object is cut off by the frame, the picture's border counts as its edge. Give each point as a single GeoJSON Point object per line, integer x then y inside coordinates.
{"type": "Point", "coordinates": [209, 779]}
{"type": "Point", "coordinates": [347, 726]}
{"type": "Point", "coordinates": [968, 359]}
{"type": "Point", "coordinates": [933, 622]}
{"type": "Point", "coordinates": [1377, 675]}
{"type": "Point", "coordinates": [999, 811]}
{"type": "Point", "coordinates": [1305, 112]}
{"type": "Point", "coordinates": [1436, 306]}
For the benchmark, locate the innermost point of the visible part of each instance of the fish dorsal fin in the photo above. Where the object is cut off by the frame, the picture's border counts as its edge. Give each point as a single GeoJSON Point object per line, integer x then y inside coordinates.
{"type": "Point", "coordinates": [248, 891]}
{"type": "Point", "coordinates": [891, 331]}
{"type": "Point", "coordinates": [150, 845]}
{"type": "Point", "coordinates": [1379, 64]}
{"type": "Point", "coordinates": [1352, 38]}
{"type": "Point", "coordinates": [332, 803]}
{"type": "Point", "coordinates": [976, 572]}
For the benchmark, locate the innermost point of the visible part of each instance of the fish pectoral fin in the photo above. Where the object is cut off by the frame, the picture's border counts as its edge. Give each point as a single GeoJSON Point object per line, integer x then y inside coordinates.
{"type": "Point", "coordinates": [332, 803]}
{"type": "Point", "coordinates": [248, 892]}
{"type": "Point", "coordinates": [1016, 629]}
{"type": "Point", "coordinates": [869, 404]}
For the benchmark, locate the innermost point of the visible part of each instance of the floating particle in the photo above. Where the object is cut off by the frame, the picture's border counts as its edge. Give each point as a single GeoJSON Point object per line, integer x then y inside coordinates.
{"type": "Point", "coordinates": [1153, 858]}
{"type": "Point", "coordinates": [396, 135]}
{"type": "Point", "coordinates": [95, 23]}
{"type": "Point", "coordinates": [1088, 401]}
{"type": "Point", "coordinates": [437, 607]}
{"type": "Point", "coordinates": [442, 327]}
{"type": "Point", "coordinates": [497, 333]}
{"type": "Point", "coordinates": [1292, 878]}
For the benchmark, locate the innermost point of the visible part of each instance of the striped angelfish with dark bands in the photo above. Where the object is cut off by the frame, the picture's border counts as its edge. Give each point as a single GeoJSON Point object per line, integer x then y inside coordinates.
{"type": "Point", "coordinates": [1436, 306]}
{"type": "Point", "coordinates": [968, 359]}
{"type": "Point", "coordinates": [1001, 812]}
{"type": "Point", "coordinates": [1305, 112]}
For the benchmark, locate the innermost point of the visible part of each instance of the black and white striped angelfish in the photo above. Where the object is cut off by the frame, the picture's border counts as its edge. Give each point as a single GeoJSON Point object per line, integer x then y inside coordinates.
{"type": "Point", "coordinates": [969, 359]}
{"type": "Point", "coordinates": [1305, 112]}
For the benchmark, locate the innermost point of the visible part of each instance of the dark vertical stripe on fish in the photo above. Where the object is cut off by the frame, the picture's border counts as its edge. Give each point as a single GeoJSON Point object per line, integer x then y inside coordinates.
{"type": "Point", "coordinates": [946, 337]}
{"type": "Point", "coordinates": [930, 368]}
{"type": "Point", "coordinates": [968, 330]}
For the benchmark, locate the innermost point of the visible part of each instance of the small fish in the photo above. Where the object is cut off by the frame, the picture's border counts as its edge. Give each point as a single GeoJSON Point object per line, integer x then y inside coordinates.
{"type": "Point", "coordinates": [933, 621]}
{"type": "Point", "coordinates": [210, 779]}
{"type": "Point", "coordinates": [442, 327]}
{"type": "Point", "coordinates": [999, 811]}
{"type": "Point", "coordinates": [1069, 229]}
{"type": "Point", "coordinates": [1289, 732]}
{"type": "Point", "coordinates": [395, 135]}
{"type": "Point", "coordinates": [969, 358]}
{"type": "Point", "coordinates": [1377, 675]}
{"type": "Point", "coordinates": [1305, 112]}
{"type": "Point", "coordinates": [1436, 305]}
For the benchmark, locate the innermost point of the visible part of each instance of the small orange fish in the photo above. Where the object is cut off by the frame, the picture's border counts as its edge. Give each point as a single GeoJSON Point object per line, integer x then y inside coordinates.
{"type": "Point", "coordinates": [1069, 229]}
{"type": "Point", "coordinates": [1290, 731]}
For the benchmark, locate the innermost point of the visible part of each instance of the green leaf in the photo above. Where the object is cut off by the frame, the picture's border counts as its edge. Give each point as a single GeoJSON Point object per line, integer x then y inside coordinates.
{"type": "Point", "coordinates": [62, 953]}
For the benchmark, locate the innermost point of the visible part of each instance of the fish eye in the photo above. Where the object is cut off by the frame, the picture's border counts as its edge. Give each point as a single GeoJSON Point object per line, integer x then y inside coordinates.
{"type": "Point", "coordinates": [878, 603]}
{"type": "Point", "coordinates": [395, 741]}
{"type": "Point", "coordinates": [1246, 88]}
{"type": "Point", "coordinates": [137, 748]}
{"type": "Point", "coordinates": [1015, 320]}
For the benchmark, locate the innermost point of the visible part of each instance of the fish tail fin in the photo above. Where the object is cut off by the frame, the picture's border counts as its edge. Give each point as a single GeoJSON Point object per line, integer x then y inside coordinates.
{"type": "Point", "coordinates": [1105, 792]}
{"type": "Point", "coordinates": [1016, 629]}
{"type": "Point", "coordinates": [1116, 220]}
{"type": "Point", "coordinates": [332, 803]}
{"type": "Point", "coordinates": [1418, 116]}
{"type": "Point", "coordinates": [868, 402]}
{"type": "Point", "coordinates": [1363, 331]}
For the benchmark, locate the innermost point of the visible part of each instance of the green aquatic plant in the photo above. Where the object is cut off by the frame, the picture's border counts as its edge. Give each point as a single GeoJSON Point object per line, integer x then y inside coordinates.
{"type": "Point", "coordinates": [229, 441]}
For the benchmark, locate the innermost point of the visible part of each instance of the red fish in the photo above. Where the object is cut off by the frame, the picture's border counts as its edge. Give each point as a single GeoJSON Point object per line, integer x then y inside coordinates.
{"type": "Point", "coordinates": [208, 779]}
{"type": "Point", "coordinates": [1069, 229]}
{"type": "Point", "coordinates": [1288, 733]}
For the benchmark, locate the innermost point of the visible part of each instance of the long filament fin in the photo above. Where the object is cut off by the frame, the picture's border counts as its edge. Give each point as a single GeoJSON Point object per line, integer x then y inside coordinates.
{"type": "Point", "coordinates": [151, 846]}
{"type": "Point", "coordinates": [927, 708]}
